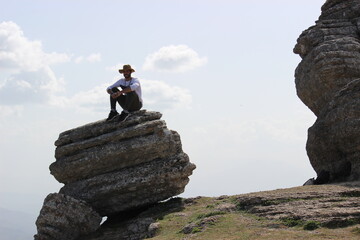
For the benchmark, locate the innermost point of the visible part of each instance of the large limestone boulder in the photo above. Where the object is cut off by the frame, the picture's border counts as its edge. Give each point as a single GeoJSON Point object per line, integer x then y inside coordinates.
{"type": "Point", "coordinates": [326, 81]}
{"type": "Point", "coordinates": [65, 218]}
{"type": "Point", "coordinates": [118, 166]}
{"type": "Point", "coordinates": [330, 53]}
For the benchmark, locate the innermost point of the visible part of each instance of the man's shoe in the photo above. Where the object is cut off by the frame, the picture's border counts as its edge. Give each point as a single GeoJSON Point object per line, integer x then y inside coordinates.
{"type": "Point", "coordinates": [123, 116]}
{"type": "Point", "coordinates": [112, 114]}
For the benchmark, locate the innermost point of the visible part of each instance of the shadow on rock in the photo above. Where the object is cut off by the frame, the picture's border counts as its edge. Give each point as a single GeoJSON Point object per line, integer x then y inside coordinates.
{"type": "Point", "coordinates": [135, 224]}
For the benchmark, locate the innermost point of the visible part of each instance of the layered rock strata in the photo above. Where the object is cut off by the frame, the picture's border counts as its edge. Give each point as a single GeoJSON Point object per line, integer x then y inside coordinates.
{"type": "Point", "coordinates": [330, 66]}
{"type": "Point", "coordinates": [330, 53]}
{"type": "Point", "coordinates": [117, 167]}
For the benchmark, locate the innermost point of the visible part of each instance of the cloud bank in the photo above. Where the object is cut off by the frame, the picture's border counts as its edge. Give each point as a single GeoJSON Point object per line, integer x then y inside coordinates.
{"type": "Point", "coordinates": [17, 53]}
{"type": "Point", "coordinates": [174, 58]}
{"type": "Point", "coordinates": [161, 95]}
{"type": "Point", "coordinates": [26, 77]}
{"type": "Point", "coordinates": [26, 74]}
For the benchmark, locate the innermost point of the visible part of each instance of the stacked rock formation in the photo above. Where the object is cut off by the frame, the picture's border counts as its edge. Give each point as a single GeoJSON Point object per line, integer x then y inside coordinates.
{"type": "Point", "coordinates": [327, 81]}
{"type": "Point", "coordinates": [115, 167]}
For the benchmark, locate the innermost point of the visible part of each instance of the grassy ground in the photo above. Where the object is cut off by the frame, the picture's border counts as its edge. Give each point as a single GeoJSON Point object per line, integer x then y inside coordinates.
{"type": "Point", "coordinates": [218, 218]}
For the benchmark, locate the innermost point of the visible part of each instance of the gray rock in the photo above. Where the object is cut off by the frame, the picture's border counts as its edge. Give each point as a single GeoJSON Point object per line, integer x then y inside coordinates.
{"type": "Point", "coordinates": [330, 54]}
{"type": "Point", "coordinates": [102, 127]}
{"type": "Point", "coordinates": [116, 166]}
{"type": "Point", "coordinates": [200, 225]}
{"type": "Point", "coordinates": [333, 142]}
{"type": "Point", "coordinates": [330, 205]}
{"type": "Point", "coordinates": [113, 151]}
{"type": "Point", "coordinates": [133, 187]}
{"type": "Point", "coordinates": [65, 218]}
{"type": "Point", "coordinates": [137, 224]}
{"type": "Point", "coordinates": [326, 81]}
{"type": "Point", "coordinates": [309, 182]}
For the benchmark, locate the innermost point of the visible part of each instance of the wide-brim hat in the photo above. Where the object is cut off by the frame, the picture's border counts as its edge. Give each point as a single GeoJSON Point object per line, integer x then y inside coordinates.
{"type": "Point", "coordinates": [126, 67]}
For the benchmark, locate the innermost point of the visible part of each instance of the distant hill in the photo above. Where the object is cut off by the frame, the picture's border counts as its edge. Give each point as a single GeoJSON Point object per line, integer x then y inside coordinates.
{"type": "Point", "coordinates": [16, 225]}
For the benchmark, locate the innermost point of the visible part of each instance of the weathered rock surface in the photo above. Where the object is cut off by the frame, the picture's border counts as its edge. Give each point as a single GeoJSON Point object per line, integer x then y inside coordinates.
{"type": "Point", "coordinates": [326, 81]}
{"type": "Point", "coordinates": [330, 54]}
{"type": "Point", "coordinates": [133, 187]}
{"type": "Point", "coordinates": [333, 142]}
{"type": "Point", "coordinates": [329, 205]}
{"type": "Point", "coordinates": [113, 169]}
{"type": "Point", "coordinates": [103, 147]}
{"type": "Point", "coordinates": [63, 217]}
{"type": "Point", "coordinates": [135, 225]}
{"type": "Point", "coordinates": [117, 166]}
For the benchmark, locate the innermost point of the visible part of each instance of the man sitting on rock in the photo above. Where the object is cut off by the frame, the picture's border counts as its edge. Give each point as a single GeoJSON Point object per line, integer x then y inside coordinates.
{"type": "Point", "coordinates": [129, 97]}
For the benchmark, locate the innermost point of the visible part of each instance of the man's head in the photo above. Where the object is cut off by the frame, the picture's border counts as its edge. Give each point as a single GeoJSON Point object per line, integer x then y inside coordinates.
{"type": "Point", "coordinates": [126, 71]}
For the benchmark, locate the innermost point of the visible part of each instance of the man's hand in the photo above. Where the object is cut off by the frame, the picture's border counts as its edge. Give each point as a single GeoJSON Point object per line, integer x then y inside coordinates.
{"type": "Point", "coordinates": [116, 95]}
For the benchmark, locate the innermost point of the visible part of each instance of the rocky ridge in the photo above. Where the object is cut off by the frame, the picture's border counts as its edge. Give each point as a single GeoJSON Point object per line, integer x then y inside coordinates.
{"type": "Point", "coordinates": [333, 211]}
{"type": "Point", "coordinates": [327, 82]}
{"type": "Point", "coordinates": [115, 167]}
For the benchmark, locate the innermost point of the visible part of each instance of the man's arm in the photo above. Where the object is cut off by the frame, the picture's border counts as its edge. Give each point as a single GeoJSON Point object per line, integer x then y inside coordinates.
{"type": "Point", "coordinates": [115, 85]}
{"type": "Point", "coordinates": [117, 94]}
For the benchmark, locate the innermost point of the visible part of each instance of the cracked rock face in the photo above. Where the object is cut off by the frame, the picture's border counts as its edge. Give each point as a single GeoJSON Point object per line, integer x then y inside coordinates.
{"type": "Point", "coordinates": [63, 217]}
{"type": "Point", "coordinates": [117, 167]}
{"type": "Point", "coordinates": [326, 81]}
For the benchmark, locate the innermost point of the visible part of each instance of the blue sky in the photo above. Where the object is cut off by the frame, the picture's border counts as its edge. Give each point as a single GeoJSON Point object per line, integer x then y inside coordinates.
{"type": "Point", "coordinates": [221, 72]}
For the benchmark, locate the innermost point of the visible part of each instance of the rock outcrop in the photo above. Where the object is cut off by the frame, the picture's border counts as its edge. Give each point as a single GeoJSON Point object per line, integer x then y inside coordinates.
{"type": "Point", "coordinates": [329, 205]}
{"type": "Point", "coordinates": [63, 217]}
{"type": "Point", "coordinates": [327, 82]}
{"type": "Point", "coordinates": [117, 167]}
{"type": "Point", "coordinates": [333, 210]}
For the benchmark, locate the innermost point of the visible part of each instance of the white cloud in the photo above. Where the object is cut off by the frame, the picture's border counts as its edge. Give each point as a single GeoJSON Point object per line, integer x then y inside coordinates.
{"type": "Point", "coordinates": [94, 57]}
{"type": "Point", "coordinates": [93, 100]}
{"type": "Point", "coordinates": [79, 59]}
{"type": "Point", "coordinates": [6, 111]}
{"type": "Point", "coordinates": [174, 58]}
{"type": "Point", "coordinates": [17, 53]}
{"type": "Point", "coordinates": [27, 77]}
{"type": "Point", "coordinates": [31, 87]}
{"type": "Point", "coordinates": [116, 67]}
{"type": "Point", "coordinates": [26, 73]}
{"type": "Point", "coordinates": [160, 95]}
